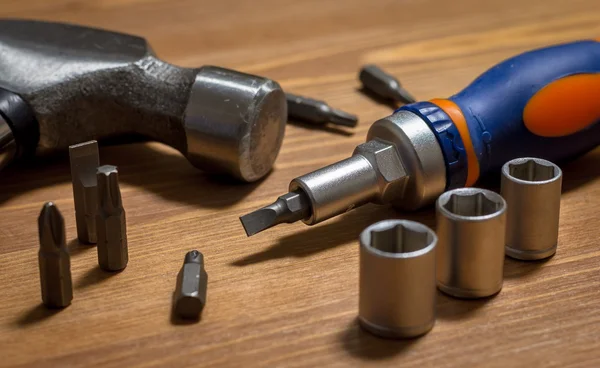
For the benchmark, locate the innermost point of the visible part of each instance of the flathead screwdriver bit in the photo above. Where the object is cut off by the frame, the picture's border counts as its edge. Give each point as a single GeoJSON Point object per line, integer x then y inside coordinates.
{"type": "Point", "coordinates": [110, 221]}
{"type": "Point", "coordinates": [54, 259]}
{"type": "Point", "coordinates": [290, 207]}
{"type": "Point", "coordinates": [384, 85]}
{"type": "Point", "coordinates": [84, 163]}
{"type": "Point", "coordinates": [317, 112]}
{"type": "Point", "coordinates": [190, 295]}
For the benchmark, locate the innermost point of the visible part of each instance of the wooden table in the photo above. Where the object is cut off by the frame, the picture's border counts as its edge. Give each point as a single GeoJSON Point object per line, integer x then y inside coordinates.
{"type": "Point", "coordinates": [288, 297]}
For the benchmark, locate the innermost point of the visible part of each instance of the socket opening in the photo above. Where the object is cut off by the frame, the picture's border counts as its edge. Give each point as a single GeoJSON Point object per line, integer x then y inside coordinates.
{"type": "Point", "coordinates": [472, 204]}
{"type": "Point", "coordinates": [532, 170]}
{"type": "Point", "coordinates": [400, 239]}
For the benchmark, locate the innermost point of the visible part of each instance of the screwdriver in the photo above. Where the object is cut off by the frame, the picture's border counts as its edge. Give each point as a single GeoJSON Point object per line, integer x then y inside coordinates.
{"type": "Point", "coordinates": [542, 103]}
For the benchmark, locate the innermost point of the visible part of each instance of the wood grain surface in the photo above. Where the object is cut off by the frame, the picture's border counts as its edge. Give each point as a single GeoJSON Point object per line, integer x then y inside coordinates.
{"type": "Point", "coordinates": [288, 297]}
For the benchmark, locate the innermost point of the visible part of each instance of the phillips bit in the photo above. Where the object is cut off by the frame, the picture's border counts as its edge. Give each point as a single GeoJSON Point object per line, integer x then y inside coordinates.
{"type": "Point", "coordinates": [54, 259]}
{"type": "Point", "coordinates": [84, 162]}
{"type": "Point", "coordinates": [290, 207]}
{"type": "Point", "coordinates": [384, 85]}
{"type": "Point", "coordinates": [190, 294]}
{"type": "Point", "coordinates": [317, 112]}
{"type": "Point", "coordinates": [110, 221]}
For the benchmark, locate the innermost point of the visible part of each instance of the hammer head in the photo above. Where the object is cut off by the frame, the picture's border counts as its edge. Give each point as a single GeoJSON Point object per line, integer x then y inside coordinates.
{"type": "Point", "coordinates": [64, 84]}
{"type": "Point", "coordinates": [234, 123]}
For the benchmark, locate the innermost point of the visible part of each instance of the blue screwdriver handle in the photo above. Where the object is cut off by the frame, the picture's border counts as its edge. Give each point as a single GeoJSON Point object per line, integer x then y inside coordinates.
{"type": "Point", "coordinates": [543, 103]}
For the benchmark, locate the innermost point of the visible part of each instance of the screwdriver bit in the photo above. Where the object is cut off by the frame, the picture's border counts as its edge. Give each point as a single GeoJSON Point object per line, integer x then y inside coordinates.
{"type": "Point", "coordinates": [54, 259]}
{"type": "Point", "coordinates": [384, 85]}
{"type": "Point", "coordinates": [317, 112]}
{"type": "Point", "coordinates": [290, 207]}
{"type": "Point", "coordinates": [190, 294]}
{"type": "Point", "coordinates": [110, 221]}
{"type": "Point", "coordinates": [84, 162]}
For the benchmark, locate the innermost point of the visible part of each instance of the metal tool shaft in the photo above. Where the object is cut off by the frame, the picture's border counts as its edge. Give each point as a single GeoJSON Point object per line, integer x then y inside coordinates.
{"type": "Point", "coordinates": [110, 221]}
{"type": "Point", "coordinates": [54, 259]}
{"type": "Point", "coordinates": [401, 163]}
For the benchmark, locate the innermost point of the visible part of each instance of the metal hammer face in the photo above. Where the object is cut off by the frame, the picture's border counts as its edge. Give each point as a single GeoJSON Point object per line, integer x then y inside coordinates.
{"type": "Point", "coordinates": [63, 84]}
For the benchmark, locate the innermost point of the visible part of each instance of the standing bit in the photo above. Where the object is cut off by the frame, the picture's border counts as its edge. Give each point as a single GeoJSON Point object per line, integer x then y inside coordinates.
{"type": "Point", "coordinates": [384, 85]}
{"type": "Point", "coordinates": [84, 163]}
{"type": "Point", "coordinates": [54, 259]}
{"type": "Point", "coordinates": [110, 221]}
{"type": "Point", "coordinates": [317, 112]}
{"type": "Point", "coordinates": [190, 294]}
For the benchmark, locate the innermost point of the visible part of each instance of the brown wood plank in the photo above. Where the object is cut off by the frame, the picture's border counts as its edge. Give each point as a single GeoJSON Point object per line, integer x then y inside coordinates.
{"type": "Point", "coordinates": [288, 297]}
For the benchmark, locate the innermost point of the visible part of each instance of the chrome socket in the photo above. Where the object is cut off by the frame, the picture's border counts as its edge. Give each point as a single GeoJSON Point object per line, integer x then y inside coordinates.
{"type": "Point", "coordinates": [532, 189]}
{"type": "Point", "coordinates": [471, 225]}
{"type": "Point", "coordinates": [397, 279]}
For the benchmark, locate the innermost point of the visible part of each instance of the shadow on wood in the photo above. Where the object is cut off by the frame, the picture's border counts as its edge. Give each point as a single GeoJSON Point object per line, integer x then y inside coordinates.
{"type": "Point", "coordinates": [451, 308]}
{"type": "Point", "coordinates": [381, 101]}
{"type": "Point", "coordinates": [76, 248]}
{"type": "Point", "coordinates": [179, 321]}
{"type": "Point", "coordinates": [336, 232]}
{"type": "Point", "coordinates": [166, 174]}
{"type": "Point", "coordinates": [363, 345]}
{"type": "Point", "coordinates": [95, 276]}
{"type": "Point", "coordinates": [576, 173]}
{"type": "Point", "coordinates": [35, 315]}
{"type": "Point", "coordinates": [329, 128]}
{"type": "Point", "coordinates": [514, 268]}
{"type": "Point", "coordinates": [581, 171]}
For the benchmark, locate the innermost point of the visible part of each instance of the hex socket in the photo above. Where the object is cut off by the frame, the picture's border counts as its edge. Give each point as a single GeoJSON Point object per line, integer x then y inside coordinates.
{"type": "Point", "coordinates": [532, 189]}
{"type": "Point", "coordinates": [471, 225]}
{"type": "Point", "coordinates": [397, 279]}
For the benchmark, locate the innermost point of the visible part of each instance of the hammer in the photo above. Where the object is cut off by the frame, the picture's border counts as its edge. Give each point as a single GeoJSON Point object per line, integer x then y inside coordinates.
{"type": "Point", "coordinates": [62, 84]}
